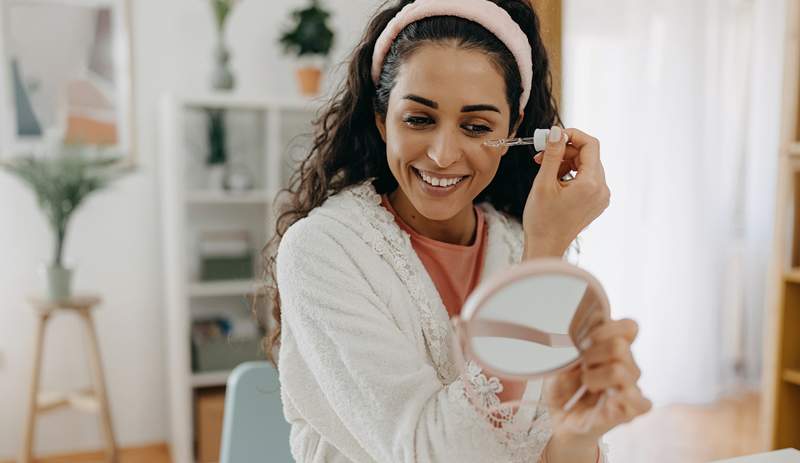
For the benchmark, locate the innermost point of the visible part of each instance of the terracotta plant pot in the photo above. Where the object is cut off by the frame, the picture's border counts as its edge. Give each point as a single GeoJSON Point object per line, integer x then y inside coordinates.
{"type": "Point", "coordinates": [309, 78]}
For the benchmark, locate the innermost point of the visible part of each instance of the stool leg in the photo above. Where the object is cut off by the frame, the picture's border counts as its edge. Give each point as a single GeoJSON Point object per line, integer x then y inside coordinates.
{"type": "Point", "coordinates": [26, 454]}
{"type": "Point", "coordinates": [100, 387]}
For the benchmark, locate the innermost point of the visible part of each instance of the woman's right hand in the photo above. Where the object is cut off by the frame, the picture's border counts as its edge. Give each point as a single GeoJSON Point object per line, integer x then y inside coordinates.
{"type": "Point", "coordinates": [556, 211]}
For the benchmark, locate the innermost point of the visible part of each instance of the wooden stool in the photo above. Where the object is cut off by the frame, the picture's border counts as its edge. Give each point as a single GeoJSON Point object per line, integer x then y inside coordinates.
{"type": "Point", "coordinates": [93, 400]}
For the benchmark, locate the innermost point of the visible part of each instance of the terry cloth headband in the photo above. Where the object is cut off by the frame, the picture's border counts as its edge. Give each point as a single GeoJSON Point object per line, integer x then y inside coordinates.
{"type": "Point", "coordinates": [488, 14]}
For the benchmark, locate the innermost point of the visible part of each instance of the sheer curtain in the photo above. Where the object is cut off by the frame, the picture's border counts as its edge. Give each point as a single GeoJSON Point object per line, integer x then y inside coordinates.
{"type": "Point", "coordinates": [684, 97]}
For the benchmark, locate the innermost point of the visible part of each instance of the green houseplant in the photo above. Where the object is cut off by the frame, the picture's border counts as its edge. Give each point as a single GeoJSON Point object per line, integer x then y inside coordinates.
{"type": "Point", "coordinates": [61, 182]}
{"type": "Point", "coordinates": [310, 39]}
{"type": "Point", "coordinates": [217, 158]}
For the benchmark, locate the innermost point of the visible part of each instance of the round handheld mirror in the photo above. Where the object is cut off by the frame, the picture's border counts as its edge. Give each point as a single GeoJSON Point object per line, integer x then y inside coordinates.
{"type": "Point", "coordinates": [527, 323]}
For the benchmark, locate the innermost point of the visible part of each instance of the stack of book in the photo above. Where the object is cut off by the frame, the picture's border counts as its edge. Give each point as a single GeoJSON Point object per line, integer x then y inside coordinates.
{"type": "Point", "coordinates": [226, 255]}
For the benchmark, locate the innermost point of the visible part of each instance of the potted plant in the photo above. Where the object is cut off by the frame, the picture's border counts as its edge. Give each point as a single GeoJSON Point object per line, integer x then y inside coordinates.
{"type": "Point", "coordinates": [310, 39]}
{"type": "Point", "coordinates": [221, 77]}
{"type": "Point", "coordinates": [61, 183]}
{"type": "Point", "coordinates": [217, 153]}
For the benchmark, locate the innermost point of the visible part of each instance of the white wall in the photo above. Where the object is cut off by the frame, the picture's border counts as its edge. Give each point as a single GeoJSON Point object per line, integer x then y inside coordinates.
{"type": "Point", "coordinates": [114, 239]}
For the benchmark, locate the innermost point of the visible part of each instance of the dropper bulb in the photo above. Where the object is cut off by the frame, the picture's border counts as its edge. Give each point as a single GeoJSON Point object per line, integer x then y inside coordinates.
{"type": "Point", "coordinates": [540, 139]}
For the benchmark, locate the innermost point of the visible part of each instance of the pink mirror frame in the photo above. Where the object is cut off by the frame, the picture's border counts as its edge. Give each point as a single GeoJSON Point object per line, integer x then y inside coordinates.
{"type": "Point", "coordinates": [466, 325]}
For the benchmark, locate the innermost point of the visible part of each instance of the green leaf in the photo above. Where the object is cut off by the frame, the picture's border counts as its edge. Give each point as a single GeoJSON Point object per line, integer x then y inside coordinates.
{"type": "Point", "coordinates": [62, 182]}
{"type": "Point", "coordinates": [310, 33]}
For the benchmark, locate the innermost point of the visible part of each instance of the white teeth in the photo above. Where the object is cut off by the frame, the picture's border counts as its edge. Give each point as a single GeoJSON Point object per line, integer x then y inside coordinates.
{"type": "Point", "coordinates": [443, 182]}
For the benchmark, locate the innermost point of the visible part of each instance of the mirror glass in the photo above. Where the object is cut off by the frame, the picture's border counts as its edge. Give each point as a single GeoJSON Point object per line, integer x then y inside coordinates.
{"type": "Point", "coordinates": [532, 324]}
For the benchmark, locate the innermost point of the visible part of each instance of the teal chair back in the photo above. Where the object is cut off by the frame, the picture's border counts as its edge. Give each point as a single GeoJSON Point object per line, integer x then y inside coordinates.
{"type": "Point", "coordinates": [254, 429]}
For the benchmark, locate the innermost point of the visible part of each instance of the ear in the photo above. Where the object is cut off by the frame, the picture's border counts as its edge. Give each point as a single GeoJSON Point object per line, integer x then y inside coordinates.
{"type": "Point", "coordinates": [380, 122]}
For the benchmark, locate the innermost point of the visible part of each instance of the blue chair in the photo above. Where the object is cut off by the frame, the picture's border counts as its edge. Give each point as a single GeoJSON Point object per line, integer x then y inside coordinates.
{"type": "Point", "coordinates": [254, 429]}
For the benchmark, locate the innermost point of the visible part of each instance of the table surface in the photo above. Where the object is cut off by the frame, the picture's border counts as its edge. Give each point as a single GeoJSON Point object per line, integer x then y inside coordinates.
{"type": "Point", "coordinates": [76, 302]}
{"type": "Point", "coordinates": [778, 456]}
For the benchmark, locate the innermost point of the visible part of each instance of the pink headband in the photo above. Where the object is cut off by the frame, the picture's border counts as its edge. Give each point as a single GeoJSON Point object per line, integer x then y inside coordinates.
{"type": "Point", "coordinates": [488, 14]}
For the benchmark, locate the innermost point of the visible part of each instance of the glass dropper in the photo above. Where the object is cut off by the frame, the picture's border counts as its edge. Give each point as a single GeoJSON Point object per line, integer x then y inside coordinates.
{"type": "Point", "coordinates": [538, 140]}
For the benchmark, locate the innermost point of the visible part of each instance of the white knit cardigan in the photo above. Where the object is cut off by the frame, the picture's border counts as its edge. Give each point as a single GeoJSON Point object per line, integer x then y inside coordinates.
{"type": "Point", "coordinates": [365, 365]}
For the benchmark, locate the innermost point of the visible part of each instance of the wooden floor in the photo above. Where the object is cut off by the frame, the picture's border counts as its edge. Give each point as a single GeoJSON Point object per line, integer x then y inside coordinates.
{"type": "Point", "coordinates": [677, 433]}
{"type": "Point", "coordinates": [690, 433]}
{"type": "Point", "coordinates": [157, 453]}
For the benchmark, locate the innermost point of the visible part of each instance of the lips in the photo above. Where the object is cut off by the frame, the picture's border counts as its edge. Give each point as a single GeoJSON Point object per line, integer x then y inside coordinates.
{"type": "Point", "coordinates": [428, 177]}
{"type": "Point", "coordinates": [437, 191]}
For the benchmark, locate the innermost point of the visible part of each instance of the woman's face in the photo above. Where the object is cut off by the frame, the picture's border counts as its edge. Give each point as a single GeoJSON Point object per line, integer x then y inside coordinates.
{"type": "Point", "coordinates": [445, 103]}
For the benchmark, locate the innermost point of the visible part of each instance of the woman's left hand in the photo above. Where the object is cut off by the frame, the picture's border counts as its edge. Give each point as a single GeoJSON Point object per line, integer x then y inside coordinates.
{"type": "Point", "coordinates": [606, 366]}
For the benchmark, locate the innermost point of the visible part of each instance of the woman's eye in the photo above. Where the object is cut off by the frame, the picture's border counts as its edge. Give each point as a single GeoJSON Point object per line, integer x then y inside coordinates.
{"type": "Point", "coordinates": [417, 121]}
{"type": "Point", "coordinates": [477, 129]}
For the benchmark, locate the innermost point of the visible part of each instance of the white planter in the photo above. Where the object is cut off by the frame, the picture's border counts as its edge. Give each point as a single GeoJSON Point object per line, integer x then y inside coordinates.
{"type": "Point", "coordinates": [59, 283]}
{"type": "Point", "coordinates": [216, 177]}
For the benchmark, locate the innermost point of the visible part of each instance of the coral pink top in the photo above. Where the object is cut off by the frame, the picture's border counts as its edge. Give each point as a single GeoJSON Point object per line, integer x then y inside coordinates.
{"type": "Point", "coordinates": [455, 269]}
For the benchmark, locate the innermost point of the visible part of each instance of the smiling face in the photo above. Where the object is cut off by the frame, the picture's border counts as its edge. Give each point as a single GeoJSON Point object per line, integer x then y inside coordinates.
{"type": "Point", "coordinates": [445, 103]}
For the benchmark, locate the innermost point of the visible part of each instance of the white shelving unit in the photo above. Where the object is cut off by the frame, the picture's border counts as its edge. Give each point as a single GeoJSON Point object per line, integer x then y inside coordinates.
{"type": "Point", "coordinates": [263, 133]}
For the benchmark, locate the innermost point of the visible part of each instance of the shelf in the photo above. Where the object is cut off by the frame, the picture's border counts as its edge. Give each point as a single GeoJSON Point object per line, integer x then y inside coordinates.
{"type": "Point", "coordinates": [222, 288]}
{"type": "Point", "coordinates": [256, 102]}
{"type": "Point", "coordinates": [224, 197]}
{"type": "Point", "coordinates": [792, 376]}
{"type": "Point", "coordinates": [265, 128]}
{"type": "Point", "coordinates": [210, 378]}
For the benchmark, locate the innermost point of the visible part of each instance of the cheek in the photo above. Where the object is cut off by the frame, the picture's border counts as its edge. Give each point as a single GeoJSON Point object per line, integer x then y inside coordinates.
{"type": "Point", "coordinates": [405, 146]}
{"type": "Point", "coordinates": [483, 160]}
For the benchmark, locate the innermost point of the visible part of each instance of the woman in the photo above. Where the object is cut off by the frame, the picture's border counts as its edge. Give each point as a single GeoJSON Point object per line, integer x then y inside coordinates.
{"type": "Point", "coordinates": [399, 211]}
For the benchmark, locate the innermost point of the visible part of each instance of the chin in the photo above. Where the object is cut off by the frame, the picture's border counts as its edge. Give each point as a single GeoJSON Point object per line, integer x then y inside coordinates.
{"type": "Point", "coordinates": [436, 209]}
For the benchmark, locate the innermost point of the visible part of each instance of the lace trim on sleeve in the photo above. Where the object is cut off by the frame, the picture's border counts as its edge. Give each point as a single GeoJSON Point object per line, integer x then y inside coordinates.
{"type": "Point", "coordinates": [524, 439]}
{"type": "Point", "coordinates": [604, 452]}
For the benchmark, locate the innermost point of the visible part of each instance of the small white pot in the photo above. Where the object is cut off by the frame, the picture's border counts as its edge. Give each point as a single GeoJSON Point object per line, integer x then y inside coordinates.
{"type": "Point", "coordinates": [216, 177]}
{"type": "Point", "coordinates": [59, 283]}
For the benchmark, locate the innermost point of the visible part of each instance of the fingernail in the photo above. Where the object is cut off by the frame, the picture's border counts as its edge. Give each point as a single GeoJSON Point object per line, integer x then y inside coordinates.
{"type": "Point", "coordinates": [585, 343]}
{"type": "Point", "coordinates": [555, 134]}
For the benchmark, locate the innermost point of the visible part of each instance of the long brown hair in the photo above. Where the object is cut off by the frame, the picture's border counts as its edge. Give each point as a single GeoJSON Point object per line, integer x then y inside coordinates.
{"type": "Point", "coordinates": [347, 148]}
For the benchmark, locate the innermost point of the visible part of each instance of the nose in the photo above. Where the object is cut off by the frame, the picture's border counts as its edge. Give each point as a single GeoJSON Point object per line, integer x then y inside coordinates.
{"type": "Point", "coordinates": [445, 149]}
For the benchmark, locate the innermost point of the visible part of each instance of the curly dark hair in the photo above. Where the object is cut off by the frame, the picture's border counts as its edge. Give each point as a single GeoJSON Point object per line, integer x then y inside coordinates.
{"type": "Point", "coordinates": [347, 148]}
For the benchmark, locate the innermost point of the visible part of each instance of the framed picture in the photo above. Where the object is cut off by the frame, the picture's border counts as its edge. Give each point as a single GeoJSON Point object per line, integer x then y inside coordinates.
{"type": "Point", "coordinates": [66, 76]}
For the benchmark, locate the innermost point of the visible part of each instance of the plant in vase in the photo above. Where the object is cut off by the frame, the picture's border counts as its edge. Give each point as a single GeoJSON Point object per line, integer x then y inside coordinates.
{"type": "Point", "coordinates": [61, 182]}
{"type": "Point", "coordinates": [217, 153]}
{"type": "Point", "coordinates": [310, 39]}
{"type": "Point", "coordinates": [222, 78]}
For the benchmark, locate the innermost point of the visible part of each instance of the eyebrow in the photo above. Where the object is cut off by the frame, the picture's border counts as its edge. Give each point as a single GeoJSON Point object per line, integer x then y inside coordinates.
{"type": "Point", "coordinates": [465, 109]}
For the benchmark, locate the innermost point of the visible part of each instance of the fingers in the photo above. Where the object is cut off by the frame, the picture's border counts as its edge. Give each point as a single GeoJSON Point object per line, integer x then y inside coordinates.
{"type": "Point", "coordinates": [604, 362]}
{"type": "Point", "coordinates": [570, 156]}
{"type": "Point", "coordinates": [568, 164]}
{"type": "Point", "coordinates": [627, 404]}
{"type": "Point", "coordinates": [583, 151]}
{"type": "Point", "coordinates": [613, 350]}
{"type": "Point", "coordinates": [563, 387]}
{"type": "Point", "coordinates": [568, 381]}
{"type": "Point", "coordinates": [626, 328]}
{"type": "Point", "coordinates": [589, 149]}
{"type": "Point", "coordinates": [611, 375]}
{"type": "Point", "coordinates": [608, 360]}
{"type": "Point", "coordinates": [553, 155]}
{"type": "Point", "coordinates": [586, 144]}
